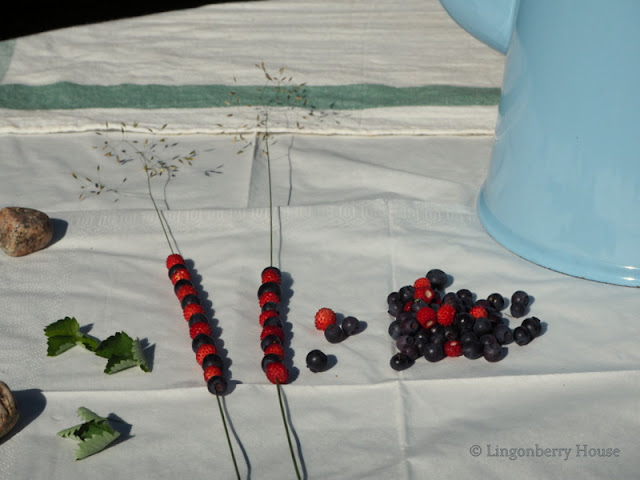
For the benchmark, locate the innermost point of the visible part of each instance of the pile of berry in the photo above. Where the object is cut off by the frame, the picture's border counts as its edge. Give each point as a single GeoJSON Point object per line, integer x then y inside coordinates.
{"type": "Point", "coordinates": [431, 323]}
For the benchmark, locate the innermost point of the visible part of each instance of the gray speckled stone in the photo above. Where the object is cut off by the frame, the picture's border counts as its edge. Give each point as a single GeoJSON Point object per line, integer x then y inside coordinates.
{"type": "Point", "coordinates": [9, 413]}
{"type": "Point", "coordinates": [24, 230]}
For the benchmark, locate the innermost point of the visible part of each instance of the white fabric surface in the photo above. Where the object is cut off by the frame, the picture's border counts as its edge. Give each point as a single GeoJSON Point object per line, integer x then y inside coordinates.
{"type": "Point", "coordinates": [357, 215]}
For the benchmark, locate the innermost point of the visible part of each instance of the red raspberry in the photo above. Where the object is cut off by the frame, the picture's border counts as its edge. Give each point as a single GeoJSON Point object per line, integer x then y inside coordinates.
{"type": "Point", "coordinates": [453, 348]}
{"type": "Point", "coordinates": [267, 314]}
{"type": "Point", "coordinates": [324, 318]}
{"type": "Point", "coordinates": [211, 372]}
{"type": "Point", "coordinates": [174, 259]}
{"type": "Point", "coordinates": [272, 330]}
{"type": "Point", "coordinates": [268, 297]}
{"type": "Point", "coordinates": [424, 293]}
{"type": "Point", "coordinates": [190, 309]}
{"type": "Point", "coordinates": [407, 307]}
{"type": "Point", "coordinates": [426, 316]}
{"type": "Point", "coordinates": [422, 282]}
{"type": "Point", "coordinates": [271, 274]}
{"type": "Point", "coordinates": [186, 290]}
{"type": "Point", "coordinates": [277, 373]}
{"type": "Point", "coordinates": [446, 314]}
{"type": "Point", "coordinates": [199, 327]}
{"type": "Point", "coordinates": [478, 312]}
{"type": "Point", "coordinates": [276, 348]}
{"type": "Point", "coordinates": [180, 274]}
{"type": "Point", "coordinates": [204, 350]}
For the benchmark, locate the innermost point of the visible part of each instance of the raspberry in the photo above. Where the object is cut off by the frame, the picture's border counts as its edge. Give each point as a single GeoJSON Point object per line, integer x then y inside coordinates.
{"type": "Point", "coordinates": [267, 314]}
{"type": "Point", "coordinates": [205, 350]}
{"type": "Point", "coordinates": [446, 314]}
{"type": "Point", "coordinates": [425, 293]}
{"type": "Point", "coordinates": [186, 290]}
{"type": "Point", "coordinates": [177, 274]}
{"type": "Point", "coordinates": [271, 274]}
{"type": "Point", "coordinates": [174, 259]}
{"type": "Point", "coordinates": [478, 312]}
{"type": "Point", "coordinates": [276, 349]}
{"type": "Point", "coordinates": [426, 316]}
{"type": "Point", "coordinates": [272, 330]}
{"type": "Point", "coordinates": [269, 297]}
{"type": "Point", "coordinates": [324, 318]}
{"type": "Point", "coordinates": [453, 348]}
{"type": "Point", "coordinates": [211, 372]}
{"type": "Point", "coordinates": [422, 282]}
{"type": "Point", "coordinates": [407, 306]}
{"type": "Point", "coordinates": [277, 373]}
{"type": "Point", "coordinates": [192, 309]}
{"type": "Point", "coordinates": [199, 327]}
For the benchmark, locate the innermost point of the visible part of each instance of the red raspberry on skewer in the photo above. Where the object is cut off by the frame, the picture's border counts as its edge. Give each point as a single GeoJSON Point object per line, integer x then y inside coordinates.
{"type": "Point", "coordinates": [275, 348]}
{"type": "Point", "coordinates": [205, 350]}
{"type": "Point", "coordinates": [271, 274]}
{"type": "Point", "coordinates": [277, 373]}
{"type": "Point", "coordinates": [174, 259]}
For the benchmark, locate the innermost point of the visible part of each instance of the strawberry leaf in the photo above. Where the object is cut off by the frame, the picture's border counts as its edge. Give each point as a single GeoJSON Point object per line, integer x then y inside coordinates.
{"type": "Point", "coordinates": [122, 352]}
{"type": "Point", "coordinates": [64, 334]}
{"type": "Point", "coordinates": [93, 435]}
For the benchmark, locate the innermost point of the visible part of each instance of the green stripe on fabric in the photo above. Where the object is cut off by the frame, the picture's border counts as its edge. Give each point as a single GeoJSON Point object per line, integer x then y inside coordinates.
{"type": "Point", "coordinates": [67, 95]}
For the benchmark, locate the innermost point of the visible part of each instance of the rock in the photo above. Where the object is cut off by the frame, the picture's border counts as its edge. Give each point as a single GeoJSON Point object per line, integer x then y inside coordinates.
{"type": "Point", "coordinates": [24, 230]}
{"type": "Point", "coordinates": [9, 413]}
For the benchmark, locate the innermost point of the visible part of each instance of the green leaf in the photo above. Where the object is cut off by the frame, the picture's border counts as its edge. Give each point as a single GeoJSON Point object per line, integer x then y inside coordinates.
{"type": "Point", "coordinates": [122, 352]}
{"type": "Point", "coordinates": [64, 334]}
{"type": "Point", "coordinates": [93, 435]}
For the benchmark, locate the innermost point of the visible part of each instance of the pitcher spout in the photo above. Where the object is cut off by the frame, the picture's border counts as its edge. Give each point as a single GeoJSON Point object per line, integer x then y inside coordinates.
{"type": "Point", "coordinates": [490, 21]}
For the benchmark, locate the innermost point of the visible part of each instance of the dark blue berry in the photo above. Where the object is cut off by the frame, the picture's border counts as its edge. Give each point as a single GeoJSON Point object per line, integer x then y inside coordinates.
{"type": "Point", "coordinates": [200, 340]}
{"type": "Point", "coordinates": [404, 340]}
{"type": "Point", "coordinates": [438, 338]}
{"type": "Point", "coordinates": [520, 297]}
{"type": "Point", "coordinates": [350, 325]}
{"type": "Point", "coordinates": [496, 300]}
{"type": "Point", "coordinates": [406, 293]}
{"type": "Point", "coordinates": [393, 297]}
{"type": "Point", "coordinates": [269, 340]}
{"type": "Point", "coordinates": [472, 349]}
{"type": "Point", "coordinates": [316, 361]}
{"type": "Point", "coordinates": [334, 334]}
{"type": "Point", "coordinates": [450, 333]}
{"type": "Point", "coordinates": [217, 385]}
{"type": "Point", "coordinates": [410, 351]}
{"type": "Point", "coordinates": [503, 334]}
{"type": "Point", "coordinates": [438, 278]}
{"type": "Point", "coordinates": [175, 268]}
{"type": "Point", "coordinates": [395, 308]}
{"type": "Point", "coordinates": [394, 329]}
{"type": "Point", "coordinates": [483, 303]}
{"type": "Point", "coordinates": [212, 360]}
{"type": "Point", "coordinates": [418, 304]}
{"type": "Point", "coordinates": [464, 321]}
{"type": "Point", "coordinates": [271, 287]}
{"type": "Point", "coordinates": [482, 326]}
{"type": "Point", "coordinates": [271, 307]}
{"type": "Point", "coordinates": [533, 325]}
{"type": "Point", "coordinates": [198, 317]}
{"type": "Point", "coordinates": [183, 282]}
{"type": "Point", "coordinates": [433, 352]}
{"type": "Point", "coordinates": [409, 326]}
{"type": "Point", "coordinates": [400, 362]}
{"type": "Point", "coordinates": [189, 299]}
{"type": "Point", "coordinates": [468, 336]}
{"type": "Point", "coordinates": [270, 358]}
{"type": "Point", "coordinates": [493, 352]}
{"type": "Point", "coordinates": [521, 335]}
{"type": "Point", "coordinates": [487, 339]}
{"type": "Point", "coordinates": [517, 310]}
{"type": "Point", "coordinates": [272, 322]}
{"type": "Point", "coordinates": [465, 295]}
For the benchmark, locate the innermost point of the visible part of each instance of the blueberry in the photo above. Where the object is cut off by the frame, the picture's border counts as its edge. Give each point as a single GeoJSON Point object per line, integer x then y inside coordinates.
{"type": "Point", "coordinates": [410, 351]}
{"type": "Point", "coordinates": [271, 287]}
{"type": "Point", "coordinates": [472, 349]}
{"type": "Point", "coordinates": [199, 340]}
{"type": "Point", "coordinates": [400, 362]}
{"type": "Point", "coordinates": [438, 338]}
{"type": "Point", "coordinates": [433, 352]}
{"type": "Point", "coordinates": [464, 321]}
{"type": "Point", "coordinates": [392, 297]}
{"type": "Point", "coordinates": [503, 334]}
{"type": "Point", "coordinates": [496, 300]}
{"type": "Point", "coordinates": [450, 298]}
{"type": "Point", "coordinates": [493, 352]}
{"type": "Point", "coordinates": [486, 304]}
{"type": "Point", "coordinates": [436, 329]}
{"type": "Point", "coordinates": [418, 304]}
{"type": "Point", "coordinates": [181, 283]}
{"type": "Point", "coordinates": [487, 339]}
{"type": "Point", "coordinates": [409, 326]}
{"type": "Point", "coordinates": [451, 333]}
{"type": "Point", "coordinates": [394, 329]}
{"type": "Point", "coordinates": [533, 325]}
{"type": "Point", "coordinates": [212, 360]}
{"type": "Point", "coordinates": [482, 326]}
{"type": "Point", "coordinates": [271, 307]}
{"type": "Point", "coordinates": [521, 335]}
{"type": "Point", "coordinates": [189, 299]}
{"type": "Point", "coordinates": [198, 317]}
{"type": "Point", "coordinates": [406, 293]}
{"type": "Point", "coordinates": [438, 278]}
{"type": "Point", "coordinates": [268, 359]}
{"type": "Point", "coordinates": [395, 308]}
{"type": "Point", "coordinates": [334, 334]}
{"type": "Point", "coordinates": [316, 361]}
{"type": "Point", "coordinates": [465, 295]}
{"type": "Point", "coordinates": [217, 385]}
{"type": "Point", "coordinates": [268, 340]}
{"type": "Point", "coordinates": [272, 322]}
{"type": "Point", "coordinates": [521, 298]}
{"type": "Point", "coordinates": [468, 336]}
{"type": "Point", "coordinates": [517, 310]}
{"type": "Point", "coordinates": [404, 340]}
{"type": "Point", "coordinates": [175, 268]}
{"type": "Point", "coordinates": [351, 325]}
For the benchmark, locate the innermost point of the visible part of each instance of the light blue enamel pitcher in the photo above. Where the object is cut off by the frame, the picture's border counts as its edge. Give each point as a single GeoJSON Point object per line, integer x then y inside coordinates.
{"type": "Point", "coordinates": [563, 187]}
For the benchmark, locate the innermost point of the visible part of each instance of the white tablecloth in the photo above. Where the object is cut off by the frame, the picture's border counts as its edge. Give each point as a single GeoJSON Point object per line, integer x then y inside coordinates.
{"type": "Point", "coordinates": [369, 193]}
